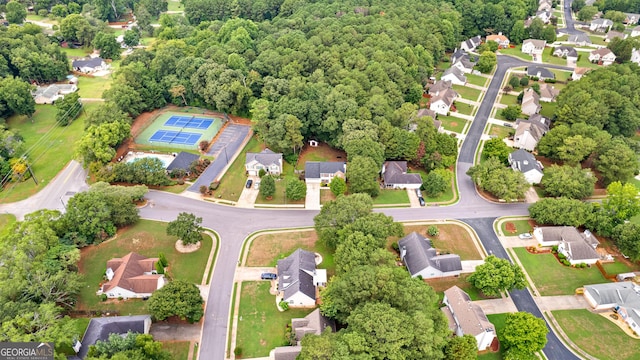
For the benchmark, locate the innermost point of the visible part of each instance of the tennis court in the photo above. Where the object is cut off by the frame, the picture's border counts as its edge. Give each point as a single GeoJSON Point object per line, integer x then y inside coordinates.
{"type": "Point", "coordinates": [175, 137]}
{"type": "Point", "coordinates": [188, 122]}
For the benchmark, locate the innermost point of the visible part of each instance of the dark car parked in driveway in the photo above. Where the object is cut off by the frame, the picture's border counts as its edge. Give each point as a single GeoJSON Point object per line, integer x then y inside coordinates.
{"type": "Point", "coordinates": [249, 182]}
{"type": "Point", "coordinates": [268, 276]}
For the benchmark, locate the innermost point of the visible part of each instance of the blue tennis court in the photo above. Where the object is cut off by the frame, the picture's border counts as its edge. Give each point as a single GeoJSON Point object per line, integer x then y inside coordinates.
{"type": "Point", "coordinates": [175, 137]}
{"type": "Point", "coordinates": [189, 122]}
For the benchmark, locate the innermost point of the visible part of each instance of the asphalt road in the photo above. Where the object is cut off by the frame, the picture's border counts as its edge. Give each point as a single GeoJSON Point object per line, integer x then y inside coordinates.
{"type": "Point", "coordinates": [569, 23]}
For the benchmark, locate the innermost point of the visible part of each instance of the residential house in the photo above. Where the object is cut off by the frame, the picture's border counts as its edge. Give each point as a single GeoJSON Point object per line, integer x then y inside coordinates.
{"type": "Point", "coordinates": [51, 93]}
{"type": "Point", "coordinates": [467, 318]}
{"type": "Point", "coordinates": [322, 172]}
{"type": "Point", "coordinates": [544, 15]}
{"type": "Point", "coordinates": [545, 5]}
{"type": "Point", "coordinates": [503, 41]}
{"type": "Point", "coordinates": [635, 56]}
{"type": "Point", "coordinates": [413, 126]}
{"type": "Point", "coordinates": [624, 297]}
{"type": "Point", "coordinates": [298, 279]}
{"type": "Point", "coordinates": [131, 276]}
{"type": "Point", "coordinates": [631, 19]}
{"type": "Point", "coordinates": [315, 323]}
{"type": "Point", "coordinates": [614, 34]}
{"type": "Point", "coordinates": [395, 176]}
{"type": "Point", "coordinates": [548, 92]}
{"type": "Point", "coordinates": [530, 102]}
{"type": "Point", "coordinates": [567, 52]}
{"type": "Point", "coordinates": [526, 163]}
{"type": "Point", "coordinates": [90, 65]}
{"type": "Point", "coordinates": [579, 72]}
{"type": "Point", "coordinates": [422, 259]}
{"type": "Point", "coordinates": [458, 54]}
{"type": "Point", "coordinates": [441, 103]}
{"type": "Point", "coordinates": [601, 25]}
{"type": "Point", "coordinates": [602, 56]}
{"type": "Point", "coordinates": [471, 44]}
{"type": "Point", "coordinates": [540, 72]}
{"type": "Point", "coordinates": [635, 31]}
{"type": "Point", "coordinates": [576, 247]}
{"type": "Point", "coordinates": [529, 132]}
{"type": "Point", "coordinates": [580, 39]}
{"type": "Point", "coordinates": [99, 329]}
{"type": "Point", "coordinates": [455, 75]}
{"type": "Point", "coordinates": [533, 46]}
{"type": "Point", "coordinates": [183, 161]}
{"type": "Point", "coordinates": [464, 64]}
{"type": "Point", "coordinates": [266, 160]}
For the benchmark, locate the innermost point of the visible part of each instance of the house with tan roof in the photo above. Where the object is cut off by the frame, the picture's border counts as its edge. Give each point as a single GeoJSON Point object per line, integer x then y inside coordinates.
{"type": "Point", "coordinates": [530, 102]}
{"type": "Point", "coordinates": [579, 72]}
{"type": "Point", "coordinates": [575, 246]}
{"type": "Point", "coordinates": [635, 31]}
{"type": "Point", "coordinates": [503, 41]}
{"type": "Point", "coordinates": [580, 39]}
{"type": "Point", "coordinates": [601, 25]}
{"type": "Point", "coordinates": [529, 132]}
{"type": "Point", "coordinates": [313, 324]}
{"type": "Point", "coordinates": [602, 56]}
{"type": "Point", "coordinates": [131, 276]}
{"type": "Point", "coordinates": [613, 35]}
{"type": "Point", "coordinates": [442, 101]}
{"type": "Point", "coordinates": [533, 47]}
{"type": "Point", "coordinates": [467, 318]}
{"type": "Point", "coordinates": [423, 260]}
{"type": "Point", "coordinates": [432, 114]}
{"type": "Point", "coordinates": [548, 92]}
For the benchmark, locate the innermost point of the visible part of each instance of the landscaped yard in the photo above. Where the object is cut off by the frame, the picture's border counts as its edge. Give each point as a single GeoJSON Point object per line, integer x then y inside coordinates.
{"type": "Point", "coordinates": [500, 132]}
{"type": "Point", "coordinates": [498, 320]}
{"type": "Point", "coordinates": [80, 326]}
{"type": "Point", "coordinates": [235, 177]}
{"type": "Point", "coordinates": [561, 75]}
{"type": "Point", "coordinates": [452, 123]}
{"type": "Point", "coordinates": [77, 52]}
{"type": "Point", "coordinates": [548, 109]}
{"type": "Point", "coordinates": [452, 238]}
{"type": "Point", "coordinates": [179, 350]}
{"type": "Point", "coordinates": [5, 221]}
{"type": "Point", "coordinates": [597, 335]}
{"type": "Point", "coordinates": [175, 6]}
{"type": "Point", "coordinates": [322, 152]}
{"type": "Point", "coordinates": [93, 87]}
{"type": "Point", "coordinates": [442, 284]}
{"type": "Point", "coordinates": [597, 40]}
{"type": "Point", "coordinates": [267, 249]}
{"type": "Point", "coordinates": [476, 80]}
{"type": "Point", "coordinates": [467, 92]}
{"type": "Point", "coordinates": [148, 238]}
{"type": "Point", "coordinates": [553, 278]}
{"type": "Point", "coordinates": [617, 267]}
{"type": "Point", "coordinates": [261, 327]}
{"type": "Point", "coordinates": [326, 196]}
{"type": "Point", "coordinates": [465, 109]}
{"type": "Point", "coordinates": [583, 61]}
{"type": "Point", "coordinates": [517, 52]}
{"type": "Point", "coordinates": [548, 58]}
{"type": "Point", "coordinates": [509, 99]}
{"type": "Point", "coordinates": [43, 136]}
{"type": "Point", "coordinates": [522, 226]}
{"type": "Point", "coordinates": [389, 196]}
{"type": "Point", "coordinates": [279, 197]}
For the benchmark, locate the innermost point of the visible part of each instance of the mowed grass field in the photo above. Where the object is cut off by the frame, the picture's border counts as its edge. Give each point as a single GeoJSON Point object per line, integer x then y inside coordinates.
{"type": "Point", "coordinates": [148, 238]}
{"type": "Point", "coordinates": [49, 147]}
{"type": "Point", "coordinates": [93, 87]}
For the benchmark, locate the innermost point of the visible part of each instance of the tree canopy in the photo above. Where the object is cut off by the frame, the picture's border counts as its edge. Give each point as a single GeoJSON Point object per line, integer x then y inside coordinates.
{"type": "Point", "coordinates": [131, 346]}
{"type": "Point", "coordinates": [503, 182]}
{"type": "Point", "coordinates": [523, 335]}
{"type": "Point", "coordinates": [177, 298]}
{"type": "Point", "coordinates": [568, 181]}
{"type": "Point", "coordinates": [496, 275]}
{"type": "Point", "coordinates": [186, 227]}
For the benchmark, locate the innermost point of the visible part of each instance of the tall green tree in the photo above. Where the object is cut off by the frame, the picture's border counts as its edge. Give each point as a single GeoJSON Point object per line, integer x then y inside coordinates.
{"type": "Point", "coordinates": [99, 141]}
{"type": "Point", "coordinates": [131, 346]}
{"type": "Point", "coordinates": [616, 161]}
{"type": "Point", "coordinates": [362, 176]}
{"type": "Point", "coordinates": [15, 12]}
{"type": "Point", "coordinates": [68, 109]}
{"type": "Point", "coordinates": [296, 189]}
{"type": "Point", "coordinates": [177, 298]}
{"type": "Point", "coordinates": [337, 214]}
{"type": "Point", "coordinates": [502, 182]}
{"type": "Point", "coordinates": [496, 275]}
{"type": "Point", "coordinates": [186, 227]}
{"type": "Point", "coordinates": [523, 335]}
{"type": "Point", "coordinates": [338, 186]}
{"type": "Point", "coordinates": [497, 148]}
{"type": "Point", "coordinates": [461, 348]}
{"type": "Point", "coordinates": [15, 97]}
{"type": "Point", "coordinates": [267, 186]}
{"type": "Point", "coordinates": [487, 62]}
{"type": "Point", "coordinates": [571, 182]}
{"type": "Point", "coordinates": [107, 45]}
{"type": "Point", "coordinates": [435, 184]}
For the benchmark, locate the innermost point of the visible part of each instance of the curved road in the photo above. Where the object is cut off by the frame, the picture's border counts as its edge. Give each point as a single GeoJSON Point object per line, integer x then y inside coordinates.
{"type": "Point", "coordinates": [235, 224]}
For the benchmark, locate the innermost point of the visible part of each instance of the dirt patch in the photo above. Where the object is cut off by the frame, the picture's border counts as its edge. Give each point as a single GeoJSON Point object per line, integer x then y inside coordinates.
{"type": "Point", "coordinates": [188, 248]}
{"type": "Point", "coordinates": [265, 248]}
{"type": "Point", "coordinates": [510, 228]}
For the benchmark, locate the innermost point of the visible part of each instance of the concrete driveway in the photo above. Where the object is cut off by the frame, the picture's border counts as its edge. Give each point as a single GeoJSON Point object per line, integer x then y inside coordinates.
{"type": "Point", "coordinates": [562, 302]}
{"type": "Point", "coordinates": [497, 306]}
{"type": "Point", "coordinates": [413, 198]}
{"type": "Point", "coordinates": [249, 195]}
{"type": "Point", "coordinates": [312, 201]}
{"type": "Point", "coordinates": [252, 273]}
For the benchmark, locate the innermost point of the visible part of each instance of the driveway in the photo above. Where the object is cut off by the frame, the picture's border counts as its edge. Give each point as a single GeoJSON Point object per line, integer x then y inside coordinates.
{"type": "Point", "coordinates": [531, 196]}
{"type": "Point", "coordinates": [249, 195]}
{"type": "Point", "coordinates": [497, 306]}
{"type": "Point", "coordinates": [312, 201]}
{"type": "Point", "coordinates": [252, 273]}
{"type": "Point", "coordinates": [469, 266]}
{"type": "Point", "coordinates": [562, 302]}
{"type": "Point", "coordinates": [413, 198]}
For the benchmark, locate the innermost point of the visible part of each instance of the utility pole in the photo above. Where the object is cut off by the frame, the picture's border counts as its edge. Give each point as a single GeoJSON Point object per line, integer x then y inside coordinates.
{"type": "Point", "coordinates": [33, 176]}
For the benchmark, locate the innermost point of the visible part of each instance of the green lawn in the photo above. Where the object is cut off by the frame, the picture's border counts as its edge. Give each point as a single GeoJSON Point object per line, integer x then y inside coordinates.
{"type": "Point", "coordinates": [148, 41]}
{"type": "Point", "coordinates": [77, 52]}
{"type": "Point", "coordinates": [522, 226]}
{"type": "Point", "coordinates": [548, 109]}
{"type": "Point", "coordinates": [561, 75]}
{"type": "Point", "coordinates": [596, 335]}
{"type": "Point", "coordinates": [175, 6]}
{"type": "Point", "coordinates": [516, 52]}
{"type": "Point", "coordinates": [635, 181]}
{"type": "Point", "coordinates": [452, 123]}
{"type": "Point", "coordinates": [5, 221]}
{"type": "Point", "coordinates": [179, 350]}
{"type": "Point", "coordinates": [498, 320]}
{"type": "Point", "coordinates": [443, 65]}
{"type": "Point", "coordinates": [80, 326]}
{"type": "Point", "coordinates": [44, 19]}
{"type": "Point", "coordinates": [147, 238]}
{"type": "Point", "coordinates": [467, 92]}
{"type": "Point", "coordinates": [616, 268]}
{"type": "Point", "coordinates": [445, 197]}
{"type": "Point", "coordinates": [583, 61]}
{"type": "Point", "coordinates": [261, 327]}
{"type": "Point", "coordinates": [553, 278]}
{"type": "Point", "coordinates": [93, 87]}
{"type": "Point", "coordinates": [509, 99]}
{"type": "Point", "coordinates": [597, 40]}
{"type": "Point", "coordinates": [465, 109]}
{"type": "Point", "coordinates": [477, 80]}
{"type": "Point", "coordinates": [389, 196]}
{"type": "Point", "coordinates": [46, 162]}
{"type": "Point", "coordinates": [500, 132]}
{"type": "Point", "coordinates": [548, 58]}
{"type": "Point", "coordinates": [279, 197]}
{"type": "Point", "coordinates": [235, 177]}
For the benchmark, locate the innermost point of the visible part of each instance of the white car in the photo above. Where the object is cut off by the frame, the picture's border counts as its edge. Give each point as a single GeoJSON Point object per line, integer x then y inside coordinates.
{"type": "Point", "coordinates": [256, 185]}
{"type": "Point", "coordinates": [525, 236]}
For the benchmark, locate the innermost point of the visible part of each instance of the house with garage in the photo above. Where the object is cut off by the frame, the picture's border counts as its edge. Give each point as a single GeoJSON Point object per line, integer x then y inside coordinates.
{"type": "Point", "coordinates": [426, 112]}
{"type": "Point", "coordinates": [422, 259]}
{"type": "Point", "coordinates": [266, 160]}
{"type": "Point", "coordinates": [322, 172]}
{"type": "Point", "coordinates": [579, 72]}
{"type": "Point", "coordinates": [635, 31]}
{"type": "Point", "coordinates": [526, 163]}
{"type": "Point", "coordinates": [503, 41]}
{"type": "Point", "coordinates": [567, 52]}
{"type": "Point", "coordinates": [577, 247]}
{"type": "Point", "coordinates": [99, 329]}
{"type": "Point", "coordinates": [464, 63]}
{"type": "Point", "coordinates": [395, 176]}
{"type": "Point", "coordinates": [601, 25]}
{"type": "Point", "coordinates": [548, 92]}
{"type": "Point", "coordinates": [529, 132]}
{"type": "Point", "coordinates": [545, 5]}
{"type": "Point", "coordinates": [49, 94]}
{"type": "Point", "coordinates": [614, 35]}
{"type": "Point", "coordinates": [540, 72]}
{"type": "Point", "coordinates": [441, 103]}
{"type": "Point", "coordinates": [580, 39]}
{"type": "Point", "coordinates": [131, 276]}
{"type": "Point", "coordinates": [90, 65]}
{"type": "Point", "coordinates": [183, 162]}
{"type": "Point", "coordinates": [530, 102]}
{"type": "Point", "coordinates": [533, 46]}
{"type": "Point", "coordinates": [454, 75]}
{"type": "Point", "coordinates": [631, 19]}
{"type": "Point", "coordinates": [467, 318]}
{"type": "Point", "coordinates": [299, 279]}
{"type": "Point", "coordinates": [602, 56]}
{"type": "Point", "coordinates": [544, 15]}
{"type": "Point", "coordinates": [471, 44]}
{"type": "Point", "coordinates": [441, 85]}
{"type": "Point", "coordinates": [623, 297]}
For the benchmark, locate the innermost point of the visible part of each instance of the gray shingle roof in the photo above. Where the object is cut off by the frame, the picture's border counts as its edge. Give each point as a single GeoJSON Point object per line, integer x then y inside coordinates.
{"type": "Point", "coordinates": [456, 72]}
{"type": "Point", "coordinates": [420, 254]}
{"type": "Point", "coordinates": [523, 161]}
{"type": "Point", "coordinates": [534, 125]}
{"type": "Point", "coordinates": [395, 172]}
{"type": "Point", "coordinates": [295, 274]}
{"type": "Point", "coordinates": [625, 294]}
{"type": "Point", "coordinates": [471, 319]}
{"type": "Point", "coordinates": [182, 161]}
{"type": "Point", "coordinates": [91, 62]}
{"type": "Point", "coordinates": [566, 51]}
{"type": "Point", "coordinates": [313, 169]}
{"type": "Point", "coordinates": [101, 328]}
{"type": "Point", "coordinates": [579, 38]}
{"type": "Point", "coordinates": [439, 86]}
{"type": "Point", "coordinates": [266, 157]}
{"type": "Point", "coordinates": [540, 72]}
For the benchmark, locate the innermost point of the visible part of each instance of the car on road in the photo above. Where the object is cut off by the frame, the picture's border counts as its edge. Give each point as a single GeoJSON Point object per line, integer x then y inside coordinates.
{"type": "Point", "coordinates": [268, 276]}
{"type": "Point", "coordinates": [249, 183]}
{"type": "Point", "coordinates": [525, 236]}
{"type": "Point", "coordinates": [421, 199]}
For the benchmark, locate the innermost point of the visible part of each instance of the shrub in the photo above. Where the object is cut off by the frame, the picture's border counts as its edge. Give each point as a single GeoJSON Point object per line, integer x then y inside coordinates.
{"type": "Point", "coordinates": [180, 182]}
{"type": "Point", "coordinates": [433, 230]}
{"type": "Point", "coordinates": [291, 158]}
{"type": "Point", "coordinates": [262, 173]}
{"type": "Point", "coordinates": [554, 249]}
{"type": "Point", "coordinates": [43, 12]}
{"type": "Point", "coordinates": [534, 78]}
{"type": "Point", "coordinates": [203, 145]}
{"type": "Point", "coordinates": [162, 259]}
{"type": "Point", "coordinates": [159, 268]}
{"type": "Point", "coordinates": [284, 305]}
{"type": "Point", "coordinates": [566, 262]}
{"type": "Point", "coordinates": [214, 185]}
{"type": "Point", "coordinates": [119, 297]}
{"type": "Point", "coordinates": [550, 81]}
{"type": "Point", "coordinates": [524, 81]}
{"type": "Point", "coordinates": [206, 162]}
{"type": "Point", "coordinates": [103, 297]}
{"type": "Point", "coordinates": [395, 246]}
{"type": "Point", "coordinates": [203, 189]}
{"type": "Point", "coordinates": [561, 256]}
{"type": "Point", "coordinates": [237, 351]}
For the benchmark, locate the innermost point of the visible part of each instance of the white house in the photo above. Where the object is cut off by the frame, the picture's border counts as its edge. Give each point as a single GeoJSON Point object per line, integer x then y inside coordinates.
{"type": "Point", "coordinates": [422, 259]}
{"type": "Point", "coordinates": [601, 25]}
{"type": "Point", "coordinates": [131, 276]}
{"type": "Point", "coordinates": [471, 44]}
{"type": "Point", "coordinates": [603, 55]}
{"type": "Point", "coordinates": [544, 15]}
{"type": "Point", "coordinates": [442, 101]}
{"type": "Point", "coordinates": [322, 172]}
{"type": "Point", "coordinates": [631, 19]}
{"type": "Point", "coordinates": [635, 56]}
{"type": "Point", "coordinates": [622, 296]}
{"type": "Point", "coordinates": [298, 279]}
{"type": "Point", "coordinates": [576, 247]}
{"type": "Point", "coordinates": [90, 65]}
{"type": "Point", "coordinates": [265, 160]}
{"type": "Point", "coordinates": [467, 318]}
{"type": "Point", "coordinates": [635, 31]}
{"type": "Point", "coordinates": [533, 47]}
{"type": "Point", "coordinates": [455, 75]}
{"type": "Point", "coordinates": [530, 102]}
{"type": "Point", "coordinates": [546, 5]}
{"type": "Point", "coordinates": [526, 163]}
{"type": "Point", "coordinates": [395, 176]}
{"type": "Point", "coordinates": [51, 93]}
{"type": "Point", "coordinates": [503, 41]}
{"type": "Point", "coordinates": [579, 72]}
{"type": "Point", "coordinates": [566, 52]}
{"type": "Point", "coordinates": [529, 132]}
{"type": "Point", "coordinates": [464, 64]}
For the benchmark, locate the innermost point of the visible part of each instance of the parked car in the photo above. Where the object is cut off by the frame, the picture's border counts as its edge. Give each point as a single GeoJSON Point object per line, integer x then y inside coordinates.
{"type": "Point", "coordinates": [508, 124]}
{"type": "Point", "coordinates": [421, 199]}
{"type": "Point", "coordinates": [418, 193]}
{"type": "Point", "coordinates": [256, 185]}
{"type": "Point", "coordinates": [525, 236]}
{"type": "Point", "coordinates": [249, 183]}
{"type": "Point", "coordinates": [268, 276]}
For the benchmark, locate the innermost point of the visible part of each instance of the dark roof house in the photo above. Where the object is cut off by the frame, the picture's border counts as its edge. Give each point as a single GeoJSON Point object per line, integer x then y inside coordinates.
{"type": "Point", "coordinates": [298, 278]}
{"type": "Point", "coordinates": [540, 72]}
{"type": "Point", "coordinates": [183, 161]}
{"type": "Point", "coordinates": [324, 171]}
{"type": "Point", "coordinates": [422, 259]}
{"type": "Point", "coordinates": [394, 175]}
{"type": "Point", "coordinates": [527, 164]}
{"type": "Point", "coordinates": [99, 329]}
